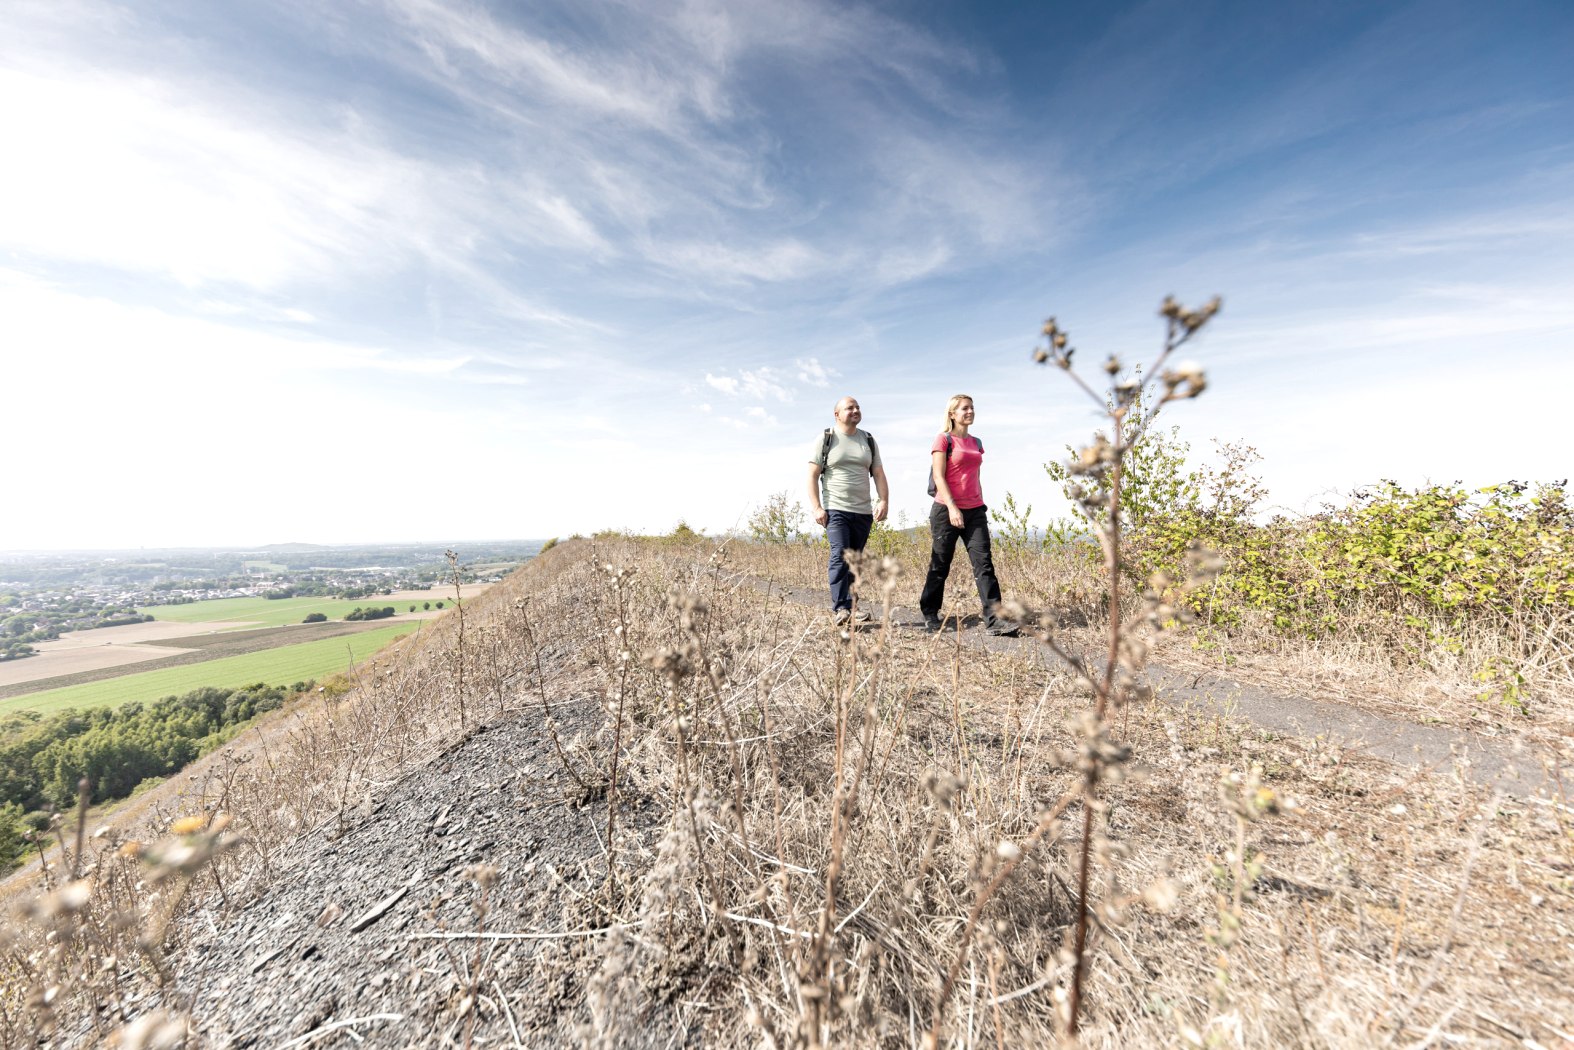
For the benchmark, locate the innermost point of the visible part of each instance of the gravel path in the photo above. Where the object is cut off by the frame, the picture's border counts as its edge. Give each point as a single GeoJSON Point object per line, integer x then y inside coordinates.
{"type": "Point", "coordinates": [1499, 760]}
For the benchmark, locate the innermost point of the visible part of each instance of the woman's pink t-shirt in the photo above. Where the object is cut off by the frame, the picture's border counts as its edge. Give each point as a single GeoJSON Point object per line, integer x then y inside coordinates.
{"type": "Point", "coordinates": [962, 470]}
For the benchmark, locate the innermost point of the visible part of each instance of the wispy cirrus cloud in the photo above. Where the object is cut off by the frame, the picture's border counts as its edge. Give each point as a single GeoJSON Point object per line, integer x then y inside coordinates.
{"type": "Point", "coordinates": [656, 125]}
{"type": "Point", "coordinates": [756, 384]}
{"type": "Point", "coordinates": [812, 372]}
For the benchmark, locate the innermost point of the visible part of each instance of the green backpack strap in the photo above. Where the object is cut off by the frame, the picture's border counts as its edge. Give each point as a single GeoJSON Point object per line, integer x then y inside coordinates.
{"type": "Point", "coordinates": [825, 451]}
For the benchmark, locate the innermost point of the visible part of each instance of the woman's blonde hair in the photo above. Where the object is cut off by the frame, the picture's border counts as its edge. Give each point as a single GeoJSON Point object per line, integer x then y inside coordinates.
{"type": "Point", "coordinates": [950, 410]}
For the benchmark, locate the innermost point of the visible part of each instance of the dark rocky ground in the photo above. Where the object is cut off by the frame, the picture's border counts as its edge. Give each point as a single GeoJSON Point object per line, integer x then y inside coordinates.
{"type": "Point", "coordinates": [335, 952]}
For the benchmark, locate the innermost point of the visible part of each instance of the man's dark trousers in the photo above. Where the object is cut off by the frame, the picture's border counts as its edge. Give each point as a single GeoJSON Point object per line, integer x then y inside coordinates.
{"type": "Point", "coordinates": [846, 531]}
{"type": "Point", "coordinates": [974, 533]}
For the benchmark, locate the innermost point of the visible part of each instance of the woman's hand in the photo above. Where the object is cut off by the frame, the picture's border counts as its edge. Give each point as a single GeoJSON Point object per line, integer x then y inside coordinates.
{"type": "Point", "coordinates": [955, 514]}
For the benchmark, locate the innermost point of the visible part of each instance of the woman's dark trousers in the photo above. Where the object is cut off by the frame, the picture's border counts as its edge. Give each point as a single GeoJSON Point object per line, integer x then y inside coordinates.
{"type": "Point", "coordinates": [974, 533]}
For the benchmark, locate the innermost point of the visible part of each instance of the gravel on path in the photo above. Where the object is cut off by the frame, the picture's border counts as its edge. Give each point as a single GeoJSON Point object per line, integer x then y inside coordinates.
{"type": "Point", "coordinates": [1503, 761]}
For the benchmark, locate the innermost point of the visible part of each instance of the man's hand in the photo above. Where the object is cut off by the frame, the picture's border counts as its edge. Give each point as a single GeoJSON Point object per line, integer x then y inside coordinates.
{"type": "Point", "coordinates": [880, 511]}
{"type": "Point", "coordinates": [821, 516]}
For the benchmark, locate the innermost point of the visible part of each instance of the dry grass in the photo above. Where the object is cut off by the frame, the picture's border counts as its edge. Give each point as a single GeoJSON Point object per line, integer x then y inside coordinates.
{"type": "Point", "coordinates": [1358, 665]}
{"type": "Point", "coordinates": [835, 806]}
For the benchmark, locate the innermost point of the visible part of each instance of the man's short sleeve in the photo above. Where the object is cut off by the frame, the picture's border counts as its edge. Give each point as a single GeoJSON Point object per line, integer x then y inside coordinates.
{"type": "Point", "coordinates": [874, 458]}
{"type": "Point", "coordinates": [815, 448]}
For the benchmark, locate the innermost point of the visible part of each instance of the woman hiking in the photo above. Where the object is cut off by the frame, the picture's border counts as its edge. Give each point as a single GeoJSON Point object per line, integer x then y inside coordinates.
{"type": "Point", "coordinates": [959, 513]}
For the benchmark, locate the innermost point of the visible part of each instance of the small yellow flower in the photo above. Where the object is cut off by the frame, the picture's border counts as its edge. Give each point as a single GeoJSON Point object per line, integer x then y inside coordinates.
{"type": "Point", "coordinates": [188, 825]}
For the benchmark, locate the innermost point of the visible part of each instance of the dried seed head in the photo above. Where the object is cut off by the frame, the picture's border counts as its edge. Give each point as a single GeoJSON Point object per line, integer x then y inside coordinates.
{"type": "Point", "coordinates": [153, 1031]}
{"type": "Point", "coordinates": [1015, 610]}
{"type": "Point", "coordinates": [1162, 895]}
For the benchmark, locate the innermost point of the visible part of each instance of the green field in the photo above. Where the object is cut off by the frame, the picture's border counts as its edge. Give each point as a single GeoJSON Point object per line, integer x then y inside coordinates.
{"type": "Point", "coordinates": [281, 666]}
{"type": "Point", "coordinates": [261, 611]}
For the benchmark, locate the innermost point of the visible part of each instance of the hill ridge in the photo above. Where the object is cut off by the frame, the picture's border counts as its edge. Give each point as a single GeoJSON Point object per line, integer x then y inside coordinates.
{"type": "Point", "coordinates": [441, 855]}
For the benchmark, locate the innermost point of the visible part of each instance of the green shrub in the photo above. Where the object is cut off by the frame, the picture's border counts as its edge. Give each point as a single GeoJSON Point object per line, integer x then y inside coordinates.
{"type": "Point", "coordinates": [10, 834]}
{"type": "Point", "coordinates": [681, 533]}
{"type": "Point", "coordinates": [777, 520]}
{"type": "Point", "coordinates": [1437, 554]}
{"type": "Point", "coordinates": [1413, 569]}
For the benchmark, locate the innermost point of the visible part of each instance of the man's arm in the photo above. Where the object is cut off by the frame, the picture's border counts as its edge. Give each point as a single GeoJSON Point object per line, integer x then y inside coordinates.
{"type": "Point", "coordinates": [820, 517]}
{"type": "Point", "coordinates": [884, 506]}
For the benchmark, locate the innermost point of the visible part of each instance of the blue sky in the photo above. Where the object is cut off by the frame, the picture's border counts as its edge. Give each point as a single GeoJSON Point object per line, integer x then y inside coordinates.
{"type": "Point", "coordinates": [429, 269]}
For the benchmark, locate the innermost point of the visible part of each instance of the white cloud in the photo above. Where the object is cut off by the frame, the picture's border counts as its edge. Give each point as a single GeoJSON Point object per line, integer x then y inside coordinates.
{"type": "Point", "coordinates": [812, 372]}
{"type": "Point", "coordinates": [787, 260]}
{"type": "Point", "coordinates": [758, 384]}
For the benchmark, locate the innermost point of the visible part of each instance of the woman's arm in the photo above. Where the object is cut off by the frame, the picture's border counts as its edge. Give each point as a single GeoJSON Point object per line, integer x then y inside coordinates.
{"type": "Point", "coordinates": [942, 490]}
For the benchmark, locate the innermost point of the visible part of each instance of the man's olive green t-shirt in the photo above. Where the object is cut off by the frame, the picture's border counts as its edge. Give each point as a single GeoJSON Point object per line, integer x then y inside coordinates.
{"type": "Point", "coordinates": [844, 483]}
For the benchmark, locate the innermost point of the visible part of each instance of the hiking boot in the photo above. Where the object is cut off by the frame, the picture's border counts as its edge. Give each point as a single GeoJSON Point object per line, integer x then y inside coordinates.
{"type": "Point", "coordinates": [933, 624]}
{"type": "Point", "coordinates": [861, 616]}
{"type": "Point", "coordinates": [840, 617]}
{"type": "Point", "coordinates": [1001, 628]}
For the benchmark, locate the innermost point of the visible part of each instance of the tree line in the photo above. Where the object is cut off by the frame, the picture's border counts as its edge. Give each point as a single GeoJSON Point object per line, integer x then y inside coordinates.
{"type": "Point", "coordinates": [43, 757]}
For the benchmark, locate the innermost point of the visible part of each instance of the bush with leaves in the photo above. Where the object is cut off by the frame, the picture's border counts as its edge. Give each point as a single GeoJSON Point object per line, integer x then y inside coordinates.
{"type": "Point", "coordinates": [1424, 566]}
{"type": "Point", "coordinates": [777, 520]}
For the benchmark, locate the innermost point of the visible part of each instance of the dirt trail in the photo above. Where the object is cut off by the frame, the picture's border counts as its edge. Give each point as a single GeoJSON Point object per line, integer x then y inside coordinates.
{"type": "Point", "coordinates": [1504, 761]}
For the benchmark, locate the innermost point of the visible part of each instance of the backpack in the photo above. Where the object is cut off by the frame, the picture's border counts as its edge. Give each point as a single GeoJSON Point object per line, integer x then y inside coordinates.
{"type": "Point", "coordinates": [825, 454]}
{"type": "Point", "coordinates": [947, 459]}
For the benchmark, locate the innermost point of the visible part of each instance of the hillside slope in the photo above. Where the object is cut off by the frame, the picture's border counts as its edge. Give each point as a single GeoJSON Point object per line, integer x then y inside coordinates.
{"type": "Point", "coordinates": [795, 852]}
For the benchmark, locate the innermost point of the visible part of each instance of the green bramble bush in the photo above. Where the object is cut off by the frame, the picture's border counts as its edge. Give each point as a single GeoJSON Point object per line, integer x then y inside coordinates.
{"type": "Point", "coordinates": [1439, 554]}
{"type": "Point", "coordinates": [1417, 569]}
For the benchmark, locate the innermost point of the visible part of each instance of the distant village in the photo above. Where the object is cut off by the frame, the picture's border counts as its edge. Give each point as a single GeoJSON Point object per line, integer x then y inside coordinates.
{"type": "Point", "coordinates": [45, 594]}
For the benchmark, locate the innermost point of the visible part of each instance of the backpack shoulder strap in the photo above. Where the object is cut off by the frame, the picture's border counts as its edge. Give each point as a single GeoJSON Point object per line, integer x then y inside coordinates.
{"type": "Point", "coordinates": [874, 450]}
{"type": "Point", "coordinates": [825, 451]}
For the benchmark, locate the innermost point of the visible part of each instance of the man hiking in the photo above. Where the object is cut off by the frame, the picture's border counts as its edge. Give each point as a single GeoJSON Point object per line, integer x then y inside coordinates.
{"type": "Point", "coordinates": [841, 461]}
